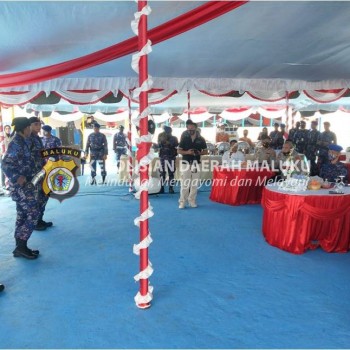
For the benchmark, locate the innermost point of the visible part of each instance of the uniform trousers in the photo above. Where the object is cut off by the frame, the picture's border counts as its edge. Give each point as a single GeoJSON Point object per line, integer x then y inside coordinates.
{"type": "Point", "coordinates": [93, 164]}
{"type": "Point", "coordinates": [28, 212]}
{"type": "Point", "coordinates": [190, 177]}
{"type": "Point", "coordinates": [119, 152]}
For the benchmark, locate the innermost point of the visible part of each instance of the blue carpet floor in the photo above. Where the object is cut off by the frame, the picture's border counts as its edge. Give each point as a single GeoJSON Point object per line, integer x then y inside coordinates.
{"type": "Point", "coordinates": [217, 283]}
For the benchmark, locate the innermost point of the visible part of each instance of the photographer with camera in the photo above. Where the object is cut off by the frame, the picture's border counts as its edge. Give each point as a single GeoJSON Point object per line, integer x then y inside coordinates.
{"type": "Point", "coordinates": [191, 147]}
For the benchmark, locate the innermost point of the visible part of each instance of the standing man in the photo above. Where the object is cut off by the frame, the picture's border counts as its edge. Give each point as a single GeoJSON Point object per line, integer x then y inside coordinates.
{"type": "Point", "coordinates": [284, 132]}
{"type": "Point", "coordinates": [191, 147]}
{"type": "Point", "coordinates": [326, 139]}
{"type": "Point", "coordinates": [97, 144]}
{"type": "Point", "coordinates": [300, 138]}
{"type": "Point", "coordinates": [312, 147]}
{"type": "Point", "coordinates": [17, 165]}
{"type": "Point", "coordinates": [293, 131]}
{"type": "Point", "coordinates": [276, 139]}
{"type": "Point", "coordinates": [167, 153]}
{"type": "Point", "coordinates": [50, 141]}
{"type": "Point", "coordinates": [35, 145]}
{"type": "Point", "coordinates": [119, 144]}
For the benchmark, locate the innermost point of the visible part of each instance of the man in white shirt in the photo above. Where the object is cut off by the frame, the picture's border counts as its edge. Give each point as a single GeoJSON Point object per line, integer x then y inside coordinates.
{"type": "Point", "coordinates": [233, 156]}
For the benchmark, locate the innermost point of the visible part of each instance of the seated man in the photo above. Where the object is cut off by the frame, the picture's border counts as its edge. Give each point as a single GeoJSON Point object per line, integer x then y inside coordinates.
{"type": "Point", "coordinates": [265, 153]}
{"type": "Point", "coordinates": [233, 155]}
{"type": "Point", "coordinates": [333, 168]}
{"type": "Point", "coordinates": [289, 161]}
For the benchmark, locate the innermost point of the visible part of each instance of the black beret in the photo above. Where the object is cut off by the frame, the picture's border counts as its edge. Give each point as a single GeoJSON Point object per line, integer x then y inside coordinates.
{"type": "Point", "coordinates": [34, 120]}
{"type": "Point", "coordinates": [20, 123]}
{"type": "Point", "coordinates": [47, 128]}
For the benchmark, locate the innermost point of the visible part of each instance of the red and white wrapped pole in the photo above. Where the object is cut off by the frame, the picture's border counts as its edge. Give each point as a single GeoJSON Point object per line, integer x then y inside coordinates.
{"type": "Point", "coordinates": [287, 112]}
{"type": "Point", "coordinates": [188, 105]}
{"type": "Point", "coordinates": [2, 142]}
{"type": "Point", "coordinates": [144, 155]}
{"type": "Point", "coordinates": [129, 149]}
{"type": "Point", "coordinates": [2, 134]}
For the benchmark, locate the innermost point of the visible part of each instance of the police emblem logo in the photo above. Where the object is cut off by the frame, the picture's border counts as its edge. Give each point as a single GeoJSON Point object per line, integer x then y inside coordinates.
{"type": "Point", "coordinates": [60, 179]}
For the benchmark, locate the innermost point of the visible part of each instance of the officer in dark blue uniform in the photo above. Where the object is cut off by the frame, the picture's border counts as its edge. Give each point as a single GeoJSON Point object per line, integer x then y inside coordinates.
{"type": "Point", "coordinates": [97, 144]}
{"type": "Point", "coordinates": [35, 145]}
{"type": "Point", "coordinates": [334, 167]}
{"type": "Point", "coordinates": [119, 144]}
{"type": "Point", "coordinates": [50, 141]}
{"type": "Point", "coordinates": [312, 147]}
{"type": "Point", "coordinates": [276, 136]}
{"type": "Point", "coordinates": [327, 138]}
{"type": "Point", "coordinates": [18, 166]}
{"type": "Point", "coordinates": [300, 138]}
{"type": "Point", "coordinates": [167, 153]}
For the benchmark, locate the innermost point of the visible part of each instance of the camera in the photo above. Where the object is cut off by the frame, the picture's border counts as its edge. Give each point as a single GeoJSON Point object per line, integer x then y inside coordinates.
{"type": "Point", "coordinates": [196, 152]}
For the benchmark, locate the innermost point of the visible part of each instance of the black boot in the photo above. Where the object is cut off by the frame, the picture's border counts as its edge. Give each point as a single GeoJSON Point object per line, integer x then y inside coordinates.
{"type": "Point", "coordinates": [34, 251]}
{"type": "Point", "coordinates": [23, 250]}
{"type": "Point", "coordinates": [46, 223]}
{"type": "Point", "coordinates": [171, 190]}
{"type": "Point", "coordinates": [161, 190]}
{"type": "Point", "coordinates": [2, 287]}
{"type": "Point", "coordinates": [103, 179]}
{"type": "Point", "coordinates": [93, 181]}
{"type": "Point", "coordinates": [40, 226]}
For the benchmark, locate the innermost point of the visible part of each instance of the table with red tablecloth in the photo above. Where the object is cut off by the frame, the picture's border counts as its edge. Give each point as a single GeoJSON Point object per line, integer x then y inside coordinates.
{"type": "Point", "coordinates": [238, 186]}
{"type": "Point", "coordinates": [296, 222]}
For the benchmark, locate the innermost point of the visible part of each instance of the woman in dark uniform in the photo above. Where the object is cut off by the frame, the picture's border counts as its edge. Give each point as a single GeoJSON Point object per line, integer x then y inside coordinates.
{"type": "Point", "coordinates": [17, 166]}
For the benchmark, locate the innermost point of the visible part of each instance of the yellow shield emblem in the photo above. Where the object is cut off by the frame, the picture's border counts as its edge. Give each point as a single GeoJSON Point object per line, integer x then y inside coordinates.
{"type": "Point", "coordinates": [60, 181]}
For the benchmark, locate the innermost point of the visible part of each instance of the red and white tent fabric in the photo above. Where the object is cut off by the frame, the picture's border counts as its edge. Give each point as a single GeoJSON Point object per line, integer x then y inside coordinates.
{"type": "Point", "coordinates": [192, 50]}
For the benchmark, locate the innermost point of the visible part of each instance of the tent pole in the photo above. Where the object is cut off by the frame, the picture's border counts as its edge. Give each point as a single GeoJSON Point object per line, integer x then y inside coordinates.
{"type": "Point", "coordinates": [130, 146]}
{"type": "Point", "coordinates": [2, 144]}
{"type": "Point", "coordinates": [188, 104]}
{"type": "Point", "coordinates": [82, 129]}
{"type": "Point", "coordinates": [143, 150]}
{"type": "Point", "coordinates": [287, 112]}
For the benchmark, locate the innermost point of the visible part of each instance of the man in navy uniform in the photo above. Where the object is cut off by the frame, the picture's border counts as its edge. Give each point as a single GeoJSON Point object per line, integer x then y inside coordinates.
{"type": "Point", "coordinates": [119, 144]}
{"type": "Point", "coordinates": [35, 145]}
{"type": "Point", "coordinates": [334, 167]}
{"type": "Point", "coordinates": [300, 138]}
{"type": "Point", "coordinates": [277, 140]}
{"type": "Point", "coordinates": [17, 165]}
{"type": "Point", "coordinates": [325, 140]}
{"type": "Point", "coordinates": [167, 153]}
{"type": "Point", "coordinates": [312, 147]}
{"type": "Point", "coordinates": [97, 145]}
{"type": "Point", "coordinates": [50, 141]}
